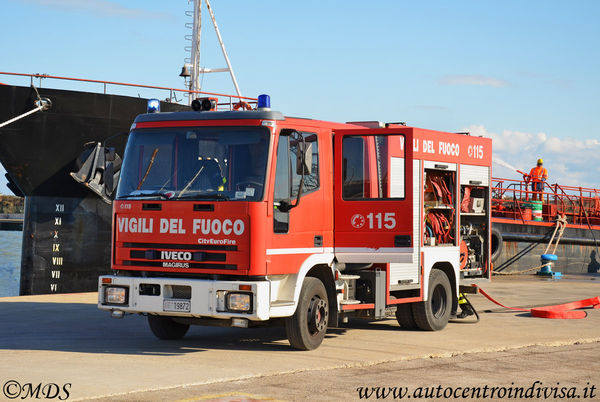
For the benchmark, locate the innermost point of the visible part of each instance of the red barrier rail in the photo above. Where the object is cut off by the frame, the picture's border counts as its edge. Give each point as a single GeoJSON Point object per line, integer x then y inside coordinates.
{"type": "Point", "coordinates": [172, 91]}
{"type": "Point", "coordinates": [511, 199]}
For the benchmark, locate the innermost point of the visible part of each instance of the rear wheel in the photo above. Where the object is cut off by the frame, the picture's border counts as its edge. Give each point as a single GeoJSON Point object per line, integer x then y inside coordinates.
{"type": "Point", "coordinates": [165, 328]}
{"type": "Point", "coordinates": [433, 314]}
{"type": "Point", "coordinates": [306, 328]}
{"type": "Point", "coordinates": [405, 316]}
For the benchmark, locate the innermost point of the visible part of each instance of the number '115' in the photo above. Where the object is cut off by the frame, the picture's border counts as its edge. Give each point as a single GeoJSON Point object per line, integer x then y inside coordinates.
{"type": "Point", "coordinates": [380, 220]}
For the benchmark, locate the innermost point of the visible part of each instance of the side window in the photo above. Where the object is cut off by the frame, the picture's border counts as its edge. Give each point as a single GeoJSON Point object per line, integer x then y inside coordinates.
{"type": "Point", "coordinates": [353, 168]}
{"type": "Point", "coordinates": [311, 182]}
{"type": "Point", "coordinates": [373, 167]}
{"type": "Point", "coordinates": [287, 180]}
{"type": "Point", "coordinates": [281, 220]}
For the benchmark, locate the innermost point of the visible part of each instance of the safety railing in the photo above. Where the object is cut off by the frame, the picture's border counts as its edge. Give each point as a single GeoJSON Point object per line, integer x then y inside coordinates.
{"type": "Point", "coordinates": [514, 199]}
{"type": "Point", "coordinates": [226, 101]}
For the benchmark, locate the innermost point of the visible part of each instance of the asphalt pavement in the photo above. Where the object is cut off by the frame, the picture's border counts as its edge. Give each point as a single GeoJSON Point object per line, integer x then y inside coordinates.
{"type": "Point", "coordinates": [67, 346]}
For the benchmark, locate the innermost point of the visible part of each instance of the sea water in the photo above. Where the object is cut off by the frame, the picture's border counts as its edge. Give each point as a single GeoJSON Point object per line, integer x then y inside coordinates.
{"type": "Point", "coordinates": [10, 262]}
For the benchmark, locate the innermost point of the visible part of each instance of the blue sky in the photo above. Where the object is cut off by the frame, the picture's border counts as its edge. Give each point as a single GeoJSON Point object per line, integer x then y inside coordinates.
{"type": "Point", "coordinates": [522, 72]}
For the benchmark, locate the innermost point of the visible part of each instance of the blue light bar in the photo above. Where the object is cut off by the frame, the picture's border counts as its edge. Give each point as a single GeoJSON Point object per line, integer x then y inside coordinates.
{"type": "Point", "coordinates": [264, 101]}
{"type": "Point", "coordinates": [153, 106]}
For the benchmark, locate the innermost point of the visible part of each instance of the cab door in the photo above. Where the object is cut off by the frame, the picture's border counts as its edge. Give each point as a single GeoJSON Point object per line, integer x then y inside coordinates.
{"type": "Point", "coordinates": [373, 197]}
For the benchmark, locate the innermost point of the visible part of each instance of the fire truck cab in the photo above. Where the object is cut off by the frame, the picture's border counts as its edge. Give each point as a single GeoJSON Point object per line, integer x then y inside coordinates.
{"type": "Point", "coordinates": [245, 218]}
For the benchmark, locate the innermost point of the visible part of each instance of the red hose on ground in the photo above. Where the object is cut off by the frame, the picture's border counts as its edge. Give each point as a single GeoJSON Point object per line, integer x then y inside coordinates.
{"type": "Point", "coordinates": [559, 311]}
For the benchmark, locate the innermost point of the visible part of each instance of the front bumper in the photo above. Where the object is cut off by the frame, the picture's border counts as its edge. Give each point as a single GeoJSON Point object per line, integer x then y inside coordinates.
{"type": "Point", "coordinates": [197, 298]}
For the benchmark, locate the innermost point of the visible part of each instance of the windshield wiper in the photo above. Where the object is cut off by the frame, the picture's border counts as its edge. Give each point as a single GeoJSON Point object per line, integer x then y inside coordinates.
{"type": "Point", "coordinates": [188, 185]}
{"type": "Point", "coordinates": [150, 164]}
{"type": "Point", "coordinates": [153, 195]}
{"type": "Point", "coordinates": [211, 196]}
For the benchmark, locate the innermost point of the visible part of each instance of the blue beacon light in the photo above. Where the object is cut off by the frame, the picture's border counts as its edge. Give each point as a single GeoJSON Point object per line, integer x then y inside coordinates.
{"type": "Point", "coordinates": [153, 106]}
{"type": "Point", "coordinates": [264, 101]}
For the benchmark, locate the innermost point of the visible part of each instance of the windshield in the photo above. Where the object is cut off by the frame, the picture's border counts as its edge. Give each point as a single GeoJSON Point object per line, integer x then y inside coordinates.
{"type": "Point", "coordinates": [221, 163]}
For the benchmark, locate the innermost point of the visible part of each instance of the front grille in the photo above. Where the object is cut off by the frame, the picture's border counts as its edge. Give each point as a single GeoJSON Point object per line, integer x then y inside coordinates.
{"type": "Point", "coordinates": [149, 289]}
{"type": "Point", "coordinates": [180, 246]}
{"type": "Point", "coordinates": [178, 292]}
{"type": "Point", "coordinates": [132, 263]}
{"type": "Point", "coordinates": [204, 207]}
{"type": "Point", "coordinates": [156, 255]}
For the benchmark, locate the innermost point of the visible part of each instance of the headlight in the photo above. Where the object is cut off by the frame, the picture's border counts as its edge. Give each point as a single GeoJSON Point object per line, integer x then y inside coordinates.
{"type": "Point", "coordinates": [115, 295]}
{"type": "Point", "coordinates": [239, 302]}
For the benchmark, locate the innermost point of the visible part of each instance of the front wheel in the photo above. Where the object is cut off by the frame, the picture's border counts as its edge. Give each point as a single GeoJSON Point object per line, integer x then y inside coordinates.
{"type": "Point", "coordinates": [165, 328]}
{"type": "Point", "coordinates": [306, 328]}
{"type": "Point", "coordinates": [433, 314]}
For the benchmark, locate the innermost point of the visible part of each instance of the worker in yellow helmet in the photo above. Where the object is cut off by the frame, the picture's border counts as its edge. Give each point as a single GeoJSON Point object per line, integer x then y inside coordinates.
{"type": "Point", "coordinates": [539, 174]}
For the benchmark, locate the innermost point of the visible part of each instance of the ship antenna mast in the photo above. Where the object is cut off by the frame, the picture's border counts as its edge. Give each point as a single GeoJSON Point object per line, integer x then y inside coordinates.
{"type": "Point", "coordinates": [191, 70]}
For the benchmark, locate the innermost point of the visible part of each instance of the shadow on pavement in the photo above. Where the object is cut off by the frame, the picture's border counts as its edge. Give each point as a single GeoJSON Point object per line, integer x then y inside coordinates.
{"type": "Point", "coordinates": [81, 327]}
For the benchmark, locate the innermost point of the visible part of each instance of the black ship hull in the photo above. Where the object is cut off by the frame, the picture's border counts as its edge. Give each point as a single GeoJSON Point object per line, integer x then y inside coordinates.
{"type": "Point", "coordinates": [517, 247]}
{"type": "Point", "coordinates": [67, 228]}
{"type": "Point", "coordinates": [66, 244]}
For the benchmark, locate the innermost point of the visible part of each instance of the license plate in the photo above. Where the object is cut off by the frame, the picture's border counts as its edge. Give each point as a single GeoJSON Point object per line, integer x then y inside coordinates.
{"type": "Point", "coordinates": [177, 305]}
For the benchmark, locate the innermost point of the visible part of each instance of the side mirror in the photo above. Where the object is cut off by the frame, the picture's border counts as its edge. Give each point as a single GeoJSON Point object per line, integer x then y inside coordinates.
{"type": "Point", "coordinates": [110, 181]}
{"type": "Point", "coordinates": [304, 159]}
{"type": "Point", "coordinates": [110, 154]}
{"type": "Point", "coordinates": [108, 178]}
{"type": "Point", "coordinates": [99, 170]}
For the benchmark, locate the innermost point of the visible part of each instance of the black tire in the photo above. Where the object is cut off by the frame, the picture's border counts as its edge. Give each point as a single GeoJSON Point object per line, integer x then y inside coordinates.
{"type": "Point", "coordinates": [433, 314]}
{"type": "Point", "coordinates": [497, 244]}
{"type": "Point", "coordinates": [165, 328]}
{"type": "Point", "coordinates": [405, 316]}
{"type": "Point", "coordinates": [307, 327]}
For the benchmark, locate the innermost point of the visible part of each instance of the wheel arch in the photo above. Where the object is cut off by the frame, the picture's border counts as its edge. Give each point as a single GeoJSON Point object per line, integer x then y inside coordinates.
{"type": "Point", "coordinates": [324, 273]}
{"type": "Point", "coordinates": [445, 259]}
{"type": "Point", "coordinates": [319, 266]}
{"type": "Point", "coordinates": [450, 272]}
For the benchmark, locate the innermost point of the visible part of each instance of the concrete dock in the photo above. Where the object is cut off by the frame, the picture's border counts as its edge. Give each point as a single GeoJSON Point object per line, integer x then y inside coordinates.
{"type": "Point", "coordinates": [64, 339]}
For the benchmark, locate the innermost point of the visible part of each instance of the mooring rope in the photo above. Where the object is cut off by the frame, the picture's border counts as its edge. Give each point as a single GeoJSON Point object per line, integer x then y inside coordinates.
{"type": "Point", "coordinates": [561, 224]}
{"type": "Point", "coordinates": [518, 272]}
{"type": "Point", "coordinates": [41, 104]}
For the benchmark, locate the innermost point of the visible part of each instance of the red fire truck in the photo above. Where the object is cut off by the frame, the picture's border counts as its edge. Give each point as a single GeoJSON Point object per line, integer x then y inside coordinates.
{"type": "Point", "coordinates": [246, 217]}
